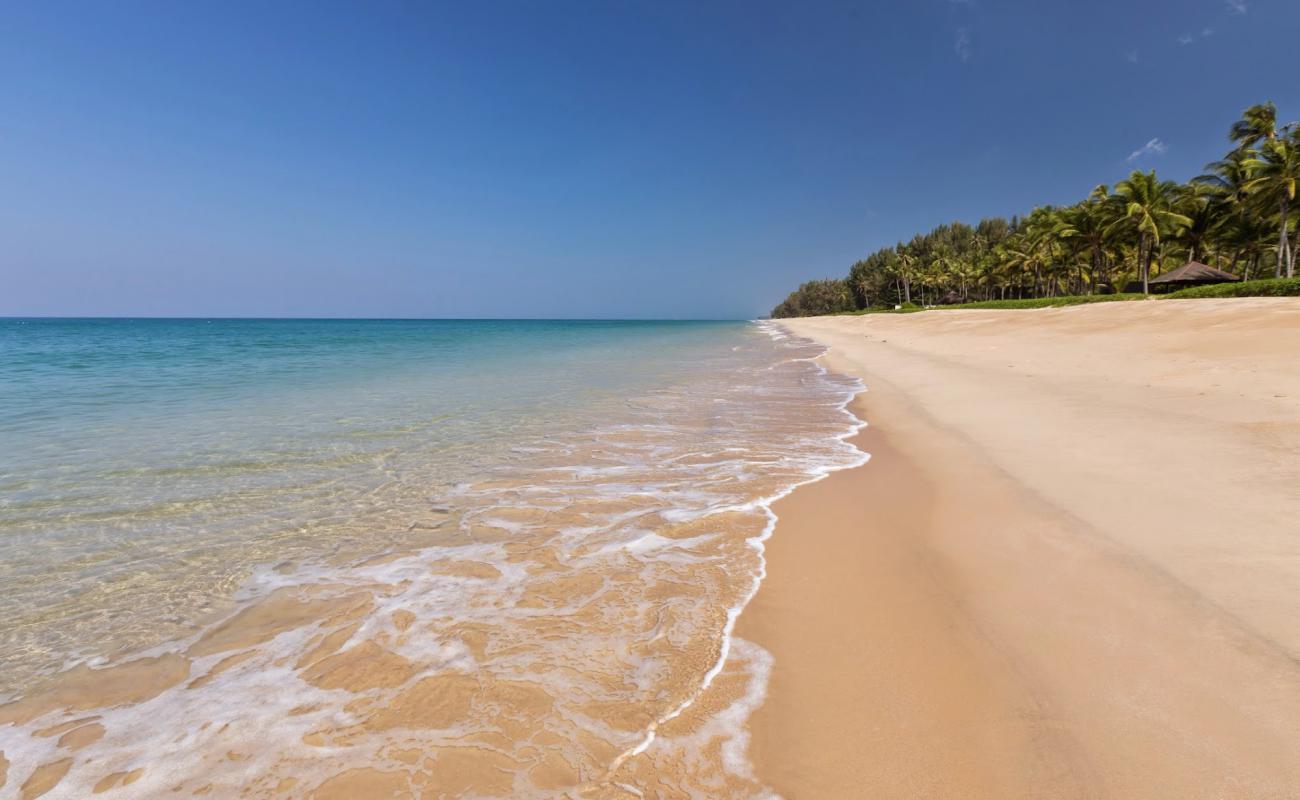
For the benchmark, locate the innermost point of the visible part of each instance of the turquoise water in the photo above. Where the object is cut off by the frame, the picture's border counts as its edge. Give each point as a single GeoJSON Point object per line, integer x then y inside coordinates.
{"type": "Point", "coordinates": [146, 466]}
{"type": "Point", "coordinates": [266, 554]}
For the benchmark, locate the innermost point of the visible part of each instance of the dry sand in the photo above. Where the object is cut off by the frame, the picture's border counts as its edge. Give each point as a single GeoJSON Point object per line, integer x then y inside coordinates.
{"type": "Point", "coordinates": [1070, 570]}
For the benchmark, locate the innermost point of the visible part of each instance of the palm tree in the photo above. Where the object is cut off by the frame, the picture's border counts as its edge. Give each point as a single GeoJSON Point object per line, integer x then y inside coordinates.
{"type": "Point", "coordinates": [1046, 226]}
{"type": "Point", "coordinates": [1019, 255]}
{"type": "Point", "coordinates": [906, 271]}
{"type": "Point", "coordinates": [986, 272]}
{"type": "Point", "coordinates": [966, 274]}
{"type": "Point", "coordinates": [1223, 181]}
{"type": "Point", "coordinates": [1087, 225]}
{"type": "Point", "coordinates": [1083, 228]}
{"type": "Point", "coordinates": [931, 278]}
{"type": "Point", "coordinates": [1248, 236]}
{"type": "Point", "coordinates": [1148, 211]}
{"type": "Point", "coordinates": [1256, 123]}
{"type": "Point", "coordinates": [1039, 233]}
{"type": "Point", "coordinates": [1240, 210]}
{"type": "Point", "coordinates": [1226, 176]}
{"type": "Point", "coordinates": [1203, 207]}
{"type": "Point", "coordinates": [1274, 170]}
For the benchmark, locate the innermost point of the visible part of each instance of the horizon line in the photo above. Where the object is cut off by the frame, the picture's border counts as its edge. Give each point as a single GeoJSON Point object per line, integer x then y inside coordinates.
{"type": "Point", "coordinates": [371, 319]}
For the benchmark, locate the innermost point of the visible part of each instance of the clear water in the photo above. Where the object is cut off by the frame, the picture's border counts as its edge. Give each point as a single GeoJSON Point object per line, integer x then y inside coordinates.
{"type": "Point", "coordinates": [245, 558]}
{"type": "Point", "coordinates": [156, 461]}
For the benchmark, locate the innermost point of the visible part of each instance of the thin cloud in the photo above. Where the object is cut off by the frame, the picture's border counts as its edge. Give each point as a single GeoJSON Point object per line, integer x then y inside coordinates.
{"type": "Point", "coordinates": [1193, 38]}
{"type": "Point", "coordinates": [1155, 147]}
{"type": "Point", "coordinates": [962, 47]}
{"type": "Point", "coordinates": [1237, 6]}
{"type": "Point", "coordinates": [1131, 56]}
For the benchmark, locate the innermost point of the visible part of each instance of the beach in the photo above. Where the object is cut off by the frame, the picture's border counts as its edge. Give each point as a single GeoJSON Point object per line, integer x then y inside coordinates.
{"type": "Point", "coordinates": [1069, 570]}
{"type": "Point", "coordinates": [1059, 560]}
{"type": "Point", "coordinates": [597, 401]}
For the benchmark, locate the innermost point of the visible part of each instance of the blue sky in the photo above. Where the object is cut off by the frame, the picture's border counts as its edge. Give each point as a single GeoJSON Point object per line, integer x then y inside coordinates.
{"type": "Point", "coordinates": [555, 159]}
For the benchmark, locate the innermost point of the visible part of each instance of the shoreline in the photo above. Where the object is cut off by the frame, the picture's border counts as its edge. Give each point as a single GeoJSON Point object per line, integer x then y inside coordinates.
{"type": "Point", "coordinates": [833, 725]}
{"type": "Point", "coordinates": [1023, 593]}
{"type": "Point", "coordinates": [440, 669]}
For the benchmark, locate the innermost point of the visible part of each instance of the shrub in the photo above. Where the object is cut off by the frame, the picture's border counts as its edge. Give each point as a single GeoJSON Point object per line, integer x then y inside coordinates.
{"type": "Point", "coordinates": [1050, 302]}
{"type": "Point", "coordinates": [1273, 287]}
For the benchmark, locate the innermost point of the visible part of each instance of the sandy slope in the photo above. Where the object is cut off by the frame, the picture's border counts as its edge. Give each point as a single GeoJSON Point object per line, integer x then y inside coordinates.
{"type": "Point", "coordinates": [1071, 569]}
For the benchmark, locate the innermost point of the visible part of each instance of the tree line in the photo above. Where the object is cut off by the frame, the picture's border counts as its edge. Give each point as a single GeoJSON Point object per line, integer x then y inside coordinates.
{"type": "Point", "coordinates": [1237, 217]}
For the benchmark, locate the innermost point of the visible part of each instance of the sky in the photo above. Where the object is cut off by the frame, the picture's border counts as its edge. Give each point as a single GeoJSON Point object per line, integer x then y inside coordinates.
{"type": "Point", "coordinates": [558, 159]}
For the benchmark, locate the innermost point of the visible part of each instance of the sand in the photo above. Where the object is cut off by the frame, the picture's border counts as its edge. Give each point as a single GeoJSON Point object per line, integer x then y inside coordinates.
{"type": "Point", "coordinates": [561, 634]}
{"type": "Point", "coordinates": [1070, 570]}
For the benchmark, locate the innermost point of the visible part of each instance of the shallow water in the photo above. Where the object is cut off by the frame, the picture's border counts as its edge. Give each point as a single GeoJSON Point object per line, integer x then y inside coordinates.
{"type": "Point", "coordinates": [493, 559]}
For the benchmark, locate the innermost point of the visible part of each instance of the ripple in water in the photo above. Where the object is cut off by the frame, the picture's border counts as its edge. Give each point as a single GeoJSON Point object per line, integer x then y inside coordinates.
{"type": "Point", "coordinates": [558, 625]}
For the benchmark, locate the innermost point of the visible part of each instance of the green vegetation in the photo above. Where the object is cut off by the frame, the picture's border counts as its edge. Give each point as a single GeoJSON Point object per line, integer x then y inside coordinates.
{"type": "Point", "coordinates": [1028, 302]}
{"type": "Point", "coordinates": [1286, 287]}
{"type": "Point", "coordinates": [1271, 287]}
{"type": "Point", "coordinates": [1052, 302]}
{"type": "Point", "coordinates": [1238, 217]}
{"type": "Point", "coordinates": [816, 298]}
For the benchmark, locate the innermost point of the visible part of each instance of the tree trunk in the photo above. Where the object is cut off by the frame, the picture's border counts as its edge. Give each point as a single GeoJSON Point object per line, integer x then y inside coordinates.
{"type": "Point", "coordinates": [1281, 243]}
{"type": "Point", "coordinates": [1144, 264]}
{"type": "Point", "coordinates": [1291, 252]}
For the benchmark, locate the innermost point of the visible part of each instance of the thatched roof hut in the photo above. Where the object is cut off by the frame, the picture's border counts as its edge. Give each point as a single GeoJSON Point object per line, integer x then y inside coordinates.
{"type": "Point", "coordinates": [1193, 273]}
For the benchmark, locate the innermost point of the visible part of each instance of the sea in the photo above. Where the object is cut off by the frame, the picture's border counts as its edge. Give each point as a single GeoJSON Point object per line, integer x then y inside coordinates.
{"type": "Point", "coordinates": [424, 558]}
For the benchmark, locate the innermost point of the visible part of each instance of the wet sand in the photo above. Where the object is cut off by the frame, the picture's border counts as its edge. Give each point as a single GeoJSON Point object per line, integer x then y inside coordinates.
{"type": "Point", "coordinates": [1070, 570]}
{"type": "Point", "coordinates": [560, 630]}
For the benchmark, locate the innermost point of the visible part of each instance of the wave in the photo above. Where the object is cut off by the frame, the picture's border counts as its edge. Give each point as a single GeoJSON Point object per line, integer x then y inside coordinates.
{"type": "Point", "coordinates": [569, 627]}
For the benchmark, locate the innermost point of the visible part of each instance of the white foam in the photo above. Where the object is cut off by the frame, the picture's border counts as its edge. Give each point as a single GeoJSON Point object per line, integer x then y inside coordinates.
{"type": "Point", "coordinates": [629, 461]}
{"type": "Point", "coordinates": [765, 505]}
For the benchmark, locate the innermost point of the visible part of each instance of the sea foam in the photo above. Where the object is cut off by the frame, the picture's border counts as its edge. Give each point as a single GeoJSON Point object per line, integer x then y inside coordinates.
{"type": "Point", "coordinates": [566, 626]}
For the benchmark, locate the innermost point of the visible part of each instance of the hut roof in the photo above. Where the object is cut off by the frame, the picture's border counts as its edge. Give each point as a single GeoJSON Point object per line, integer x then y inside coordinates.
{"type": "Point", "coordinates": [1196, 272]}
